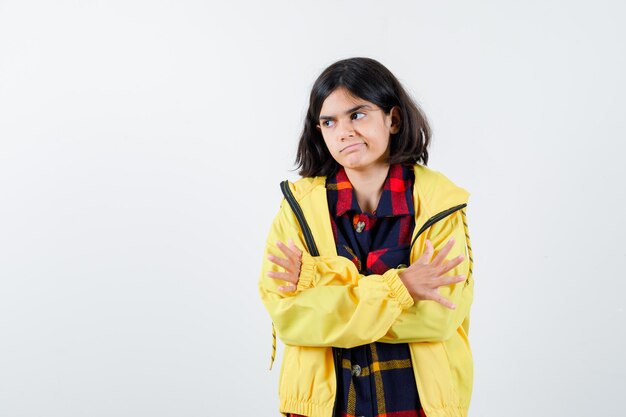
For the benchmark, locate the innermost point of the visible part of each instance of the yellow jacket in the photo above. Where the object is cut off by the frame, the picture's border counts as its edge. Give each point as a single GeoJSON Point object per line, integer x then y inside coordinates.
{"type": "Point", "coordinates": [335, 306]}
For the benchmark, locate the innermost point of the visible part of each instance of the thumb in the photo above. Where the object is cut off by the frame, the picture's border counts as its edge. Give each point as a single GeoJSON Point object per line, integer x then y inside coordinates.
{"type": "Point", "coordinates": [293, 247]}
{"type": "Point", "coordinates": [428, 253]}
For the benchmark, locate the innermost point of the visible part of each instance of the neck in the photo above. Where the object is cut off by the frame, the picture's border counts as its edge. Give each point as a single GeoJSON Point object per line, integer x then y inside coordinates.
{"type": "Point", "coordinates": [368, 185]}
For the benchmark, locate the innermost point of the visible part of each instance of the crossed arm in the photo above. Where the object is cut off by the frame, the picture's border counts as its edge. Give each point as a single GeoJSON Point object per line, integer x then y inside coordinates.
{"type": "Point", "coordinates": [325, 301]}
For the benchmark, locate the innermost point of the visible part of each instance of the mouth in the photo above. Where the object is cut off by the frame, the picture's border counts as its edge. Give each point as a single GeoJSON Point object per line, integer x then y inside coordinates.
{"type": "Point", "coordinates": [351, 146]}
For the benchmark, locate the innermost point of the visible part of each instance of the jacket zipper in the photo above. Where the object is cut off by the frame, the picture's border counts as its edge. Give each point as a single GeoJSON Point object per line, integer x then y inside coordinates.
{"type": "Point", "coordinates": [434, 219]}
{"type": "Point", "coordinates": [306, 231]}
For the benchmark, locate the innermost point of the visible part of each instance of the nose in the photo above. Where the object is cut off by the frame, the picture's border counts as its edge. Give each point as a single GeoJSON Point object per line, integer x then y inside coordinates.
{"type": "Point", "coordinates": [345, 129]}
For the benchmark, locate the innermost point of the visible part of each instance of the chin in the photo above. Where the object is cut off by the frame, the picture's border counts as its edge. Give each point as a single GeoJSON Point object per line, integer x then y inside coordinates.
{"type": "Point", "coordinates": [356, 166]}
{"type": "Point", "coordinates": [352, 164]}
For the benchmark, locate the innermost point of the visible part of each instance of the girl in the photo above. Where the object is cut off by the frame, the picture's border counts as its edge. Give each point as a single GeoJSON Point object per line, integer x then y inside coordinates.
{"type": "Point", "coordinates": [373, 324]}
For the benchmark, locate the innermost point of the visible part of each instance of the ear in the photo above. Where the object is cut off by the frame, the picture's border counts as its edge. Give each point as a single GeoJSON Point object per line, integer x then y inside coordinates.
{"type": "Point", "coordinates": [318, 127]}
{"type": "Point", "coordinates": [396, 119]}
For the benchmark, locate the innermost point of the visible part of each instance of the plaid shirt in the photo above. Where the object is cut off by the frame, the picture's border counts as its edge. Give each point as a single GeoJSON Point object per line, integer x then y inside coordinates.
{"type": "Point", "coordinates": [377, 379]}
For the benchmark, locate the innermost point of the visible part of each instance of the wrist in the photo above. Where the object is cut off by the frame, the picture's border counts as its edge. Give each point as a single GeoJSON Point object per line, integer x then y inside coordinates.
{"type": "Point", "coordinates": [398, 290]}
{"type": "Point", "coordinates": [307, 272]}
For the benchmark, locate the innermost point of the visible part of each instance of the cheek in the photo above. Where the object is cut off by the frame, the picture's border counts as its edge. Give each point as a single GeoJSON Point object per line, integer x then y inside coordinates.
{"type": "Point", "coordinates": [329, 148]}
{"type": "Point", "coordinates": [379, 137]}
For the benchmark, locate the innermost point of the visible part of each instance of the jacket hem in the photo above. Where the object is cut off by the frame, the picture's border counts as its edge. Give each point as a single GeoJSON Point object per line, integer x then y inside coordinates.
{"type": "Point", "coordinates": [306, 408]}
{"type": "Point", "coordinates": [446, 412]}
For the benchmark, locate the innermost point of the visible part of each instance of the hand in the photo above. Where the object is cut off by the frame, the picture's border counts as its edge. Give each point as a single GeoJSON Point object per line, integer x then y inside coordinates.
{"type": "Point", "coordinates": [292, 265]}
{"type": "Point", "coordinates": [423, 279]}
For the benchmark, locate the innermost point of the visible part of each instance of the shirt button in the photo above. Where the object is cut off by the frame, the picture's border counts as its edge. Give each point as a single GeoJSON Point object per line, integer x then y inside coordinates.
{"type": "Point", "coordinates": [360, 226]}
{"type": "Point", "coordinates": [356, 370]}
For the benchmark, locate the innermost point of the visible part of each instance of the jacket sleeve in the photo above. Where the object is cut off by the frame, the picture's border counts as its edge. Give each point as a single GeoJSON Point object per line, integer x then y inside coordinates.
{"type": "Point", "coordinates": [333, 304]}
{"type": "Point", "coordinates": [429, 321]}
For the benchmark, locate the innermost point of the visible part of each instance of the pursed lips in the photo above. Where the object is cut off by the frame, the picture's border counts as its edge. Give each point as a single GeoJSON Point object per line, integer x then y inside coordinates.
{"type": "Point", "coordinates": [351, 146]}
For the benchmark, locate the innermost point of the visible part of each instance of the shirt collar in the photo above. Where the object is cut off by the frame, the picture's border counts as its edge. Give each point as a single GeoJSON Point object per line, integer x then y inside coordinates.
{"type": "Point", "coordinates": [396, 198]}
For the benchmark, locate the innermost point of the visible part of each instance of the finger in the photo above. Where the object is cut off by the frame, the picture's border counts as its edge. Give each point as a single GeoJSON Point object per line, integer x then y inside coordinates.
{"type": "Point", "coordinates": [444, 301]}
{"type": "Point", "coordinates": [281, 262]}
{"type": "Point", "coordinates": [450, 280]}
{"type": "Point", "coordinates": [443, 252]}
{"type": "Point", "coordinates": [298, 252]}
{"type": "Point", "coordinates": [292, 258]}
{"type": "Point", "coordinates": [288, 252]}
{"type": "Point", "coordinates": [293, 263]}
{"type": "Point", "coordinates": [287, 288]}
{"type": "Point", "coordinates": [452, 263]}
{"type": "Point", "coordinates": [428, 253]}
{"type": "Point", "coordinates": [294, 248]}
{"type": "Point", "coordinates": [285, 276]}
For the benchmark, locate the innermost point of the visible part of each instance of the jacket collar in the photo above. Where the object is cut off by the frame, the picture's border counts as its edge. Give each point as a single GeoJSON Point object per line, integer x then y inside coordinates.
{"type": "Point", "coordinates": [395, 200]}
{"type": "Point", "coordinates": [433, 193]}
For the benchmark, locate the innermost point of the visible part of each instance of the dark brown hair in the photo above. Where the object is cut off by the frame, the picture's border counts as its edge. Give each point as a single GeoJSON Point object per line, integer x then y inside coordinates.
{"type": "Point", "coordinates": [369, 80]}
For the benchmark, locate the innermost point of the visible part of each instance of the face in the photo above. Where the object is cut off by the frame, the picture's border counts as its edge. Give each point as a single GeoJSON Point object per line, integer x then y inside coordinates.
{"type": "Point", "coordinates": [357, 132]}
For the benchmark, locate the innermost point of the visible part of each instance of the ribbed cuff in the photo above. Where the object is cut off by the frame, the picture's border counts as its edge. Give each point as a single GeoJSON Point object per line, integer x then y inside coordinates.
{"type": "Point", "coordinates": [398, 289]}
{"type": "Point", "coordinates": [307, 272]}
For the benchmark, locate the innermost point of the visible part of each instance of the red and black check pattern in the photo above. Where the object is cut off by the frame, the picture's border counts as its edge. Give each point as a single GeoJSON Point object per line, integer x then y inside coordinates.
{"type": "Point", "coordinates": [383, 238]}
{"type": "Point", "coordinates": [377, 379]}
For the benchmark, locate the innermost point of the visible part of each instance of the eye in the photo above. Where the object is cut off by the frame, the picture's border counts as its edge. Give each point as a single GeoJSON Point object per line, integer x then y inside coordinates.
{"type": "Point", "coordinates": [327, 123]}
{"type": "Point", "coordinates": [357, 115]}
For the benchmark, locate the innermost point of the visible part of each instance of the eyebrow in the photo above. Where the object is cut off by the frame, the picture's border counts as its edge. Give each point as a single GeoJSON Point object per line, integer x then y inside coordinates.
{"type": "Point", "coordinates": [352, 110]}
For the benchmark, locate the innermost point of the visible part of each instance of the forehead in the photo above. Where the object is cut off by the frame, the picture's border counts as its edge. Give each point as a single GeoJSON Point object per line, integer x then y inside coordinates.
{"type": "Point", "coordinates": [340, 100]}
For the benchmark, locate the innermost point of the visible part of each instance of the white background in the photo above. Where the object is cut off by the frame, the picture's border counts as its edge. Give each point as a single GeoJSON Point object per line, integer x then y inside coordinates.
{"type": "Point", "coordinates": [141, 148]}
